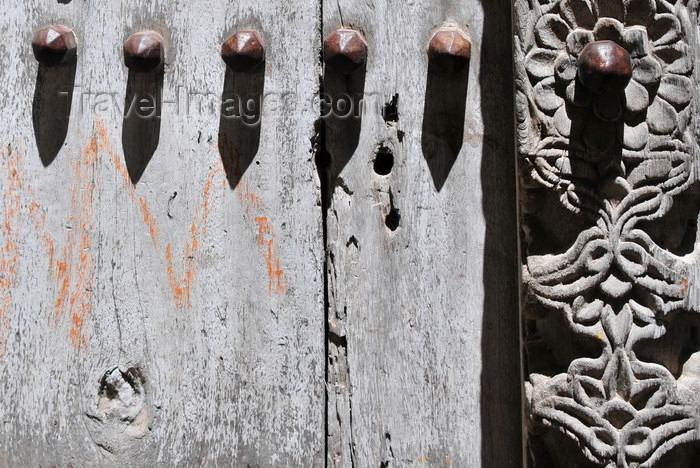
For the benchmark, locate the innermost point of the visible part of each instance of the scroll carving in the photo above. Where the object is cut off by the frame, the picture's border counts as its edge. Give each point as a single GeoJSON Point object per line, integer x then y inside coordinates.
{"type": "Point", "coordinates": [609, 208]}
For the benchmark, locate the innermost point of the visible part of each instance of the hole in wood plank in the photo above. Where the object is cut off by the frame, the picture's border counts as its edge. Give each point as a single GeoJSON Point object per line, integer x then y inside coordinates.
{"type": "Point", "coordinates": [353, 241]}
{"type": "Point", "coordinates": [393, 219]}
{"type": "Point", "coordinates": [384, 161]}
{"type": "Point", "coordinates": [391, 110]}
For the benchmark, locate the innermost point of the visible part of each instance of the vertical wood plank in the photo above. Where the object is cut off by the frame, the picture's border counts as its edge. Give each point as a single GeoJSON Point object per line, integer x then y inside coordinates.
{"type": "Point", "coordinates": [422, 261]}
{"type": "Point", "coordinates": [179, 320]}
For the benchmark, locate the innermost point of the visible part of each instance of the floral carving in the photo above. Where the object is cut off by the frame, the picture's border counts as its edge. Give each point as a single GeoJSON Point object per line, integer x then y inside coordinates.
{"type": "Point", "coordinates": [660, 87]}
{"type": "Point", "coordinates": [617, 289]}
{"type": "Point", "coordinates": [617, 160]}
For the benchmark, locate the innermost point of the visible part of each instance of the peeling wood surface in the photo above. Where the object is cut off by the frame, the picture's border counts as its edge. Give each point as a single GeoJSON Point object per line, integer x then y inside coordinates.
{"type": "Point", "coordinates": [422, 261]}
{"type": "Point", "coordinates": [176, 321]}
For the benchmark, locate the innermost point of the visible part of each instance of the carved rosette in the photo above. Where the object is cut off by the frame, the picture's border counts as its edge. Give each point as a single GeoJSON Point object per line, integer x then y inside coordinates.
{"type": "Point", "coordinates": [609, 210]}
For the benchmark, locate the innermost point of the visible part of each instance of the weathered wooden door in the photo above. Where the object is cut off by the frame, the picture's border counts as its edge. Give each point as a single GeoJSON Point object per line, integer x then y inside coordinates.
{"type": "Point", "coordinates": [202, 266]}
{"type": "Point", "coordinates": [422, 259]}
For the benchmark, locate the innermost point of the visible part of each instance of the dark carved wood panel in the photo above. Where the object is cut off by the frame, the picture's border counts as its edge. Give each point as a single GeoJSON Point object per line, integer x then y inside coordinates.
{"type": "Point", "coordinates": [605, 103]}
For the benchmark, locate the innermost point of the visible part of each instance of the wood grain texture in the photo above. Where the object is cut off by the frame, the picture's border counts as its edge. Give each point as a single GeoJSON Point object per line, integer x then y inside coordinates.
{"type": "Point", "coordinates": [422, 262]}
{"type": "Point", "coordinates": [177, 321]}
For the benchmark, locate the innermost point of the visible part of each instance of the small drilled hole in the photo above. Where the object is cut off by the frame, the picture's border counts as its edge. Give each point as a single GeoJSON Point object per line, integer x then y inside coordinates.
{"type": "Point", "coordinates": [384, 161]}
{"type": "Point", "coordinates": [392, 219]}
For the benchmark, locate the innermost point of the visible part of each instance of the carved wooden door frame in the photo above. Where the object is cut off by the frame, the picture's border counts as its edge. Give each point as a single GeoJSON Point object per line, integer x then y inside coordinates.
{"type": "Point", "coordinates": [608, 153]}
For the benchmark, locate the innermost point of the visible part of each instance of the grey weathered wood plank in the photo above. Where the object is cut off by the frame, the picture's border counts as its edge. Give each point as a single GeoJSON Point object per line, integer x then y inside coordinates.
{"type": "Point", "coordinates": [424, 342]}
{"type": "Point", "coordinates": [178, 321]}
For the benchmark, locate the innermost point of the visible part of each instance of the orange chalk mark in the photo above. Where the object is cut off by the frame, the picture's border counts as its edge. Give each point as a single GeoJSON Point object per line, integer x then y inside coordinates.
{"type": "Point", "coordinates": [34, 212]}
{"type": "Point", "coordinates": [48, 242]}
{"type": "Point", "coordinates": [277, 281]}
{"type": "Point", "coordinates": [80, 275]}
{"type": "Point", "coordinates": [150, 222]}
{"type": "Point", "coordinates": [74, 276]}
{"type": "Point", "coordinates": [249, 200]}
{"type": "Point", "coordinates": [9, 252]}
{"type": "Point", "coordinates": [148, 218]}
{"type": "Point", "coordinates": [180, 285]}
{"type": "Point", "coordinates": [120, 166]}
{"type": "Point", "coordinates": [39, 217]}
{"type": "Point", "coordinates": [63, 277]}
{"type": "Point", "coordinates": [276, 278]}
